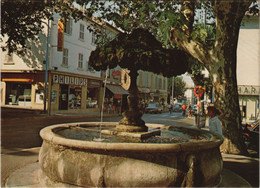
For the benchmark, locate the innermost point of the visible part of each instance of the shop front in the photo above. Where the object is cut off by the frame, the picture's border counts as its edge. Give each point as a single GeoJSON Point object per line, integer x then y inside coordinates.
{"type": "Point", "coordinates": [249, 101]}
{"type": "Point", "coordinates": [22, 89]}
{"type": "Point", "coordinates": [73, 93]}
{"type": "Point", "coordinates": [115, 99]}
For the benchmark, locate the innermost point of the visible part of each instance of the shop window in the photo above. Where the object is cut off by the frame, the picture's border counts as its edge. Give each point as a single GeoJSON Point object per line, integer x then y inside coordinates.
{"type": "Point", "coordinates": [74, 97]}
{"type": "Point", "coordinates": [92, 97]}
{"type": "Point", "coordinates": [18, 94]}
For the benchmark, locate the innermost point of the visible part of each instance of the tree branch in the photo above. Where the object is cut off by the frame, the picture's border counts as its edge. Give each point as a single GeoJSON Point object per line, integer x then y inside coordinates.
{"type": "Point", "coordinates": [184, 41]}
{"type": "Point", "coordinates": [195, 48]}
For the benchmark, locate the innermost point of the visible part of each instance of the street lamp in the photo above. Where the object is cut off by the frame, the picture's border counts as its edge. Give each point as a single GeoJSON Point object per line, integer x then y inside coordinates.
{"type": "Point", "coordinates": [172, 89]}
{"type": "Point", "coordinates": [46, 69]}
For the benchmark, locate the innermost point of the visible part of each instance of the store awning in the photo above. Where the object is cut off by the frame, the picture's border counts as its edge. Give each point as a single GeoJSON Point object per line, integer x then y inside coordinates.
{"type": "Point", "coordinates": [117, 89]}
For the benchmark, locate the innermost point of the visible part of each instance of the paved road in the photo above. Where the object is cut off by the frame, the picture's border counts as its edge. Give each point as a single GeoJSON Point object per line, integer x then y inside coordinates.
{"type": "Point", "coordinates": [21, 140]}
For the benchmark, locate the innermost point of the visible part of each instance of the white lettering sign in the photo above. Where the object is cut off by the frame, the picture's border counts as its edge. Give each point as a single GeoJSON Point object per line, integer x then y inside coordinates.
{"type": "Point", "coordinates": [248, 90]}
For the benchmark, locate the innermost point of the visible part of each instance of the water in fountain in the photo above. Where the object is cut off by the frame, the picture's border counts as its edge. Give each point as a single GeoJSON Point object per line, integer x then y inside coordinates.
{"type": "Point", "coordinates": [102, 110]}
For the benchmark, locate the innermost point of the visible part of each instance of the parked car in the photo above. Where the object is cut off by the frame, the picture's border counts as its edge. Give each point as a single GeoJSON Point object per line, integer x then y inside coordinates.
{"type": "Point", "coordinates": [251, 134]}
{"type": "Point", "coordinates": [153, 108]}
{"type": "Point", "coordinates": [177, 108]}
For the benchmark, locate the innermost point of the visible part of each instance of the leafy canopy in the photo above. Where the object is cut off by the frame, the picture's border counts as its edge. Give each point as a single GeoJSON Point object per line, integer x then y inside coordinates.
{"type": "Point", "coordinates": [139, 50]}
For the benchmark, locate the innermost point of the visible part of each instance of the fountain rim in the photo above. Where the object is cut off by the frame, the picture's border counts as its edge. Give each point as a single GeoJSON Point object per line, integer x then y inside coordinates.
{"type": "Point", "coordinates": [48, 134]}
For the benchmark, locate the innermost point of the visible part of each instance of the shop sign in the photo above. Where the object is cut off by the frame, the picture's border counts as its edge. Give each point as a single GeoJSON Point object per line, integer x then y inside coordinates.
{"type": "Point", "coordinates": [53, 97]}
{"type": "Point", "coordinates": [55, 79]}
{"type": "Point", "coordinates": [71, 80]}
{"type": "Point", "coordinates": [61, 79]}
{"type": "Point", "coordinates": [85, 82]}
{"type": "Point", "coordinates": [81, 81]}
{"type": "Point", "coordinates": [94, 83]}
{"type": "Point", "coordinates": [249, 90]}
{"type": "Point", "coordinates": [116, 73]}
{"type": "Point", "coordinates": [67, 79]}
{"type": "Point", "coordinates": [76, 81]}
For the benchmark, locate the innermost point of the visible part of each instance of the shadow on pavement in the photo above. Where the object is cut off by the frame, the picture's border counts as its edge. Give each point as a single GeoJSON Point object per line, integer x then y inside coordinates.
{"type": "Point", "coordinates": [245, 170]}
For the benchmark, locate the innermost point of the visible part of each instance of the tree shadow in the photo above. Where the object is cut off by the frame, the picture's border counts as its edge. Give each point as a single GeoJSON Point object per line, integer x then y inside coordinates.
{"type": "Point", "coordinates": [36, 55]}
{"type": "Point", "coordinates": [249, 170]}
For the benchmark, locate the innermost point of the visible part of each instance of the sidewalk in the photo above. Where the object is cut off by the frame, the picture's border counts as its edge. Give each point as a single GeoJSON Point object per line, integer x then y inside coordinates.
{"type": "Point", "coordinates": [8, 111]}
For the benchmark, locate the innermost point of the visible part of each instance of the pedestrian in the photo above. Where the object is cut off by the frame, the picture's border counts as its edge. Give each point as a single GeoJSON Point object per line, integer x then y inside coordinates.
{"type": "Point", "coordinates": [183, 109]}
{"type": "Point", "coordinates": [214, 122]}
{"type": "Point", "coordinates": [189, 110]}
{"type": "Point", "coordinates": [170, 108]}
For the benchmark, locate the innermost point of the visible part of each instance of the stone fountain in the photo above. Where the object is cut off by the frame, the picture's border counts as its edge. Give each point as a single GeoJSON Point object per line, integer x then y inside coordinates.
{"type": "Point", "coordinates": [178, 157]}
{"type": "Point", "coordinates": [131, 153]}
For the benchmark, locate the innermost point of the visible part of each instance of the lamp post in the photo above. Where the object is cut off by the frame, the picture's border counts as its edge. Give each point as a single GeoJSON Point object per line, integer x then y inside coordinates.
{"type": "Point", "coordinates": [145, 85]}
{"type": "Point", "coordinates": [172, 89]}
{"type": "Point", "coordinates": [46, 69]}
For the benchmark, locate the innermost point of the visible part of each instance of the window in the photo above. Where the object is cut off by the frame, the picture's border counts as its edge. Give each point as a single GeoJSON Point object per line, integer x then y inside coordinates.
{"type": "Point", "coordinates": [80, 62]}
{"type": "Point", "coordinates": [81, 31]}
{"type": "Point", "coordinates": [9, 59]}
{"type": "Point", "coordinates": [68, 27]}
{"type": "Point", "coordinates": [74, 97]}
{"type": "Point", "coordinates": [160, 83]}
{"type": "Point", "coordinates": [65, 57]}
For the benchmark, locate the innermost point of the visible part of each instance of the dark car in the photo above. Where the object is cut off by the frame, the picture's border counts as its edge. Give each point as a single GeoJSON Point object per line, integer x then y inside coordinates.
{"type": "Point", "coordinates": [251, 134]}
{"type": "Point", "coordinates": [153, 108]}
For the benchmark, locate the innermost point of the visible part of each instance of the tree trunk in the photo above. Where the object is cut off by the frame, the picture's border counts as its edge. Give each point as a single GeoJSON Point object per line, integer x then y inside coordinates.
{"type": "Point", "coordinates": [221, 64]}
{"type": "Point", "coordinates": [226, 101]}
{"type": "Point", "coordinates": [222, 70]}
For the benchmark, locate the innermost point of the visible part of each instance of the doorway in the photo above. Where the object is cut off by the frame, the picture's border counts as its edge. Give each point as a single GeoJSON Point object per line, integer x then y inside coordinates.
{"type": "Point", "coordinates": [63, 100]}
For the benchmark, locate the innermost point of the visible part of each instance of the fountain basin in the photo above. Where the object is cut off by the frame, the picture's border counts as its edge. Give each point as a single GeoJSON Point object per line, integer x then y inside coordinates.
{"type": "Point", "coordinates": [71, 159]}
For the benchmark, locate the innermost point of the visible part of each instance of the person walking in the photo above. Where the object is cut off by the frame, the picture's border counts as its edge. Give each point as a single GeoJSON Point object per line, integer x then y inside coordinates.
{"type": "Point", "coordinates": [170, 108]}
{"type": "Point", "coordinates": [214, 122]}
{"type": "Point", "coordinates": [189, 110]}
{"type": "Point", "coordinates": [183, 109]}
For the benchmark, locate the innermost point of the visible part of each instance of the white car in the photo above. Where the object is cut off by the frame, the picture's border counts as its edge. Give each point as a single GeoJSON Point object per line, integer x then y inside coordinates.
{"type": "Point", "coordinates": [153, 108]}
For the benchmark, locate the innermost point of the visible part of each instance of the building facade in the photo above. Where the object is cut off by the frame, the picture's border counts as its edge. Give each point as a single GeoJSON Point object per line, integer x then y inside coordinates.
{"type": "Point", "coordinates": [152, 87]}
{"type": "Point", "coordinates": [248, 68]}
{"type": "Point", "coordinates": [72, 85]}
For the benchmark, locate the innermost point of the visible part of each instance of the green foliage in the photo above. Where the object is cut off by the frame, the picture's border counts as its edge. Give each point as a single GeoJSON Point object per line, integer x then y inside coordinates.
{"type": "Point", "coordinates": [179, 86]}
{"type": "Point", "coordinates": [21, 20]}
{"type": "Point", "coordinates": [199, 33]}
{"type": "Point", "coordinates": [139, 50]}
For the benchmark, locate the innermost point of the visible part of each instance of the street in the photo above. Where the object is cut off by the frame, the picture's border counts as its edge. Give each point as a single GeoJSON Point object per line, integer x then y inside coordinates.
{"type": "Point", "coordinates": [21, 142]}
